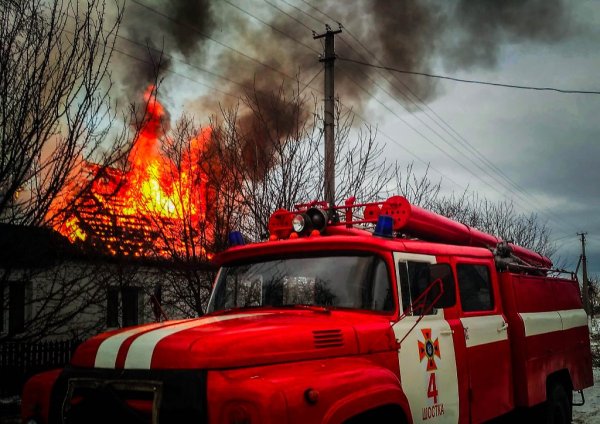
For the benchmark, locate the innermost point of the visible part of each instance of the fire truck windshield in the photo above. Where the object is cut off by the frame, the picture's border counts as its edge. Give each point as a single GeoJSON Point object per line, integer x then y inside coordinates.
{"type": "Point", "coordinates": [340, 281]}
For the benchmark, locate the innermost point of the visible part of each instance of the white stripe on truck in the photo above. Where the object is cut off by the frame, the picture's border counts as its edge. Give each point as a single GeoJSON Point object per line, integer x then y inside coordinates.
{"type": "Point", "coordinates": [548, 322]}
{"type": "Point", "coordinates": [141, 350]}
{"type": "Point", "coordinates": [106, 356]}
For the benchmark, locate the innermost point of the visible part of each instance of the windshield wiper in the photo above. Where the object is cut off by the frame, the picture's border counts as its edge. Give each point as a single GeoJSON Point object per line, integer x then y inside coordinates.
{"type": "Point", "coordinates": [309, 307]}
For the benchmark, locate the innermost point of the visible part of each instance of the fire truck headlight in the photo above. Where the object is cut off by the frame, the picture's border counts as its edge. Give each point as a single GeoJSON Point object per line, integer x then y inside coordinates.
{"type": "Point", "coordinates": [299, 223]}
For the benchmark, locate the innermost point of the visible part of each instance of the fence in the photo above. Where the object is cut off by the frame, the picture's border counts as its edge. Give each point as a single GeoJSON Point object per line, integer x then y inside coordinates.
{"type": "Point", "coordinates": [20, 360]}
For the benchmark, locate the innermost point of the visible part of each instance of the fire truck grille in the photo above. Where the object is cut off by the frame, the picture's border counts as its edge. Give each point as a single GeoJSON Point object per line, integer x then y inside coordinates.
{"type": "Point", "coordinates": [328, 338]}
{"type": "Point", "coordinates": [129, 396]}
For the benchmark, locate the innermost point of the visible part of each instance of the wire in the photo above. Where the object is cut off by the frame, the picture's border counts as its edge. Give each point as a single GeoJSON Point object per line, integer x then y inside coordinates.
{"type": "Point", "coordinates": [271, 26]}
{"type": "Point", "coordinates": [320, 11]}
{"type": "Point", "coordinates": [495, 84]}
{"type": "Point", "coordinates": [310, 81]}
{"type": "Point", "coordinates": [176, 73]}
{"type": "Point", "coordinates": [290, 16]}
{"type": "Point", "coordinates": [208, 37]}
{"type": "Point", "coordinates": [410, 126]}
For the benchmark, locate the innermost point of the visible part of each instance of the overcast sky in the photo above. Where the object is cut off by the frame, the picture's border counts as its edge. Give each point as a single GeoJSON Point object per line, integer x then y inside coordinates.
{"type": "Point", "coordinates": [545, 142]}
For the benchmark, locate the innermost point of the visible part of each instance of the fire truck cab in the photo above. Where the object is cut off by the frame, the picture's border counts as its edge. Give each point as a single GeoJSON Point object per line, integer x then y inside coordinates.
{"type": "Point", "coordinates": [424, 320]}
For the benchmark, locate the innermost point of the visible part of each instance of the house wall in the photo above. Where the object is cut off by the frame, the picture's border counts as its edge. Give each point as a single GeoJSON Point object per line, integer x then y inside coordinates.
{"type": "Point", "coordinates": [70, 300]}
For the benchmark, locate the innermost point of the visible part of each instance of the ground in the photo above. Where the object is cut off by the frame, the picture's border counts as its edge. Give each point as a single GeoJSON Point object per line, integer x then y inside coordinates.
{"type": "Point", "coordinates": [590, 412]}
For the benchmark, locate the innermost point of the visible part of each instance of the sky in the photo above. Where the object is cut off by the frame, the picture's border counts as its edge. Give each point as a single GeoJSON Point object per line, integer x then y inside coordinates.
{"type": "Point", "coordinates": [542, 148]}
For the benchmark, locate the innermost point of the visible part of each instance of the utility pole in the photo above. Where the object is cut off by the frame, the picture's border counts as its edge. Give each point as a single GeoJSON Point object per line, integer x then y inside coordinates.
{"type": "Point", "coordinates": [328, 59]}
{"type": "Point", "coordinates": [585, 288]}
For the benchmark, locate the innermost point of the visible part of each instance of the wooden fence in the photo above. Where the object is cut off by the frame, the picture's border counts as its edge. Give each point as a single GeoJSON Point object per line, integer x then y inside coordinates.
{"type": "Point", "coordinates": [20, 360]}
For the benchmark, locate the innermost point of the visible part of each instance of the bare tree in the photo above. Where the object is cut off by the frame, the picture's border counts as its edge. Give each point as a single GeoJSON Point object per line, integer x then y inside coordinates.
{"type": "Point", "coordinates": [594, 295]}
{"type": "Point", "coordinates": [56, 117]}
{"type": "Point", "coordinates": [281, 156]}
{"type": "Point", "coordinates": [54, 102]}
{"type": "Point", "coordinates": [497, 218]}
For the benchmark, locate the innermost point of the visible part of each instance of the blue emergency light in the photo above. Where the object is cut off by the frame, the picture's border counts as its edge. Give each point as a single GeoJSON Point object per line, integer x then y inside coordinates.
{"type": "Point", "coordinates": [384, 227]}
{"type": "Point", "coordinates": [236, 239]}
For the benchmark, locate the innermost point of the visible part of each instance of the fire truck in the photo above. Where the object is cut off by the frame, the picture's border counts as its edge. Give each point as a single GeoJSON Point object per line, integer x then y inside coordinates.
{"type": "Point", "coordinates": [423, 320]}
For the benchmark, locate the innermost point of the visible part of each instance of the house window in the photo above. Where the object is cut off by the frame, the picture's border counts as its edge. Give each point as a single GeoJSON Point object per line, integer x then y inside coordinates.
{"type": "Point", "coordinates": [112, 307]}
{"type": "Point", "coordinates": [130, 297]}
{"type": "Point", "coordinates": [2, 308]}
{"type": "Point", "coordinates": [123, 306]}
{"type": "Point", "coordinates": [14, 306]}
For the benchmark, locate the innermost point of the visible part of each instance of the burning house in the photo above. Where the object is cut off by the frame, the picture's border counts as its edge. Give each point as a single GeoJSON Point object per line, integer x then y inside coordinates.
{"type": "Point", "coordinates": [121, 238]}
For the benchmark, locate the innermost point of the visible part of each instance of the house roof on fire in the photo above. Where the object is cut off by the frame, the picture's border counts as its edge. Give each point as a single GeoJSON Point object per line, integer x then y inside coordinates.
{"type": "Point", "coordinates": [33, 247]}
{"type": "Point", "coordinates": [26, 246]}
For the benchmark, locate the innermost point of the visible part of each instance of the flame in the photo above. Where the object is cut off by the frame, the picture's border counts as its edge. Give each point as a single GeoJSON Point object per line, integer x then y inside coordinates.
{"type": "Point", "coordinates": [155, 206]}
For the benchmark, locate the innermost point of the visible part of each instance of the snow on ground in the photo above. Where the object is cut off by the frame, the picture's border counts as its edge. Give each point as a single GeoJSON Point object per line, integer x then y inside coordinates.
{"type": "Point", "coordinates": [590, 412]}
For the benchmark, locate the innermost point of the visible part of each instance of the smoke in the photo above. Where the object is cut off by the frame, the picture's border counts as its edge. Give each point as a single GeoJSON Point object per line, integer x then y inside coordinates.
{"type": "Point", "coordinates": [155, 33]}
{"type": "Point", "coordinates": [411, 35]}
{"type": "Point", "coordinates": [484, 26]}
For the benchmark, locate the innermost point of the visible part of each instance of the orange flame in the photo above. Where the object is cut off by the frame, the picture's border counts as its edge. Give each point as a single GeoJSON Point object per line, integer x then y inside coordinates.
{"type": "Point", "coordinates": [155, 206]}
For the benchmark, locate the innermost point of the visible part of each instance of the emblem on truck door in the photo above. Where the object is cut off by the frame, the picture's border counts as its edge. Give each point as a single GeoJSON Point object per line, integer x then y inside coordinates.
{"type": "Point", "coordinates": [429, 349]}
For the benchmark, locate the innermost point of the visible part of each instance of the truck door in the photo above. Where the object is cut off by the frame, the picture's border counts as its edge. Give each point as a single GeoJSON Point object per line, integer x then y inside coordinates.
{"type": "Point", "coordinates": [486, 339]}
{"type": "Point", "coordinates": [426, 355]}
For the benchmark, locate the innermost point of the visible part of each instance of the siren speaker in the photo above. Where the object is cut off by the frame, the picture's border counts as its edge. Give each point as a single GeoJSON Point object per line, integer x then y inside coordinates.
{"type": "Point", "coordinates": [318, 218]}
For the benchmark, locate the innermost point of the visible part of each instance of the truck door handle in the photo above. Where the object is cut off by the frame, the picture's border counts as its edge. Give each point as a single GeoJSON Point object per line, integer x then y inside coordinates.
{"type": "Point", "coordinates": [503, 327]}
{"type": "Point", "coordinates": [446, 332]}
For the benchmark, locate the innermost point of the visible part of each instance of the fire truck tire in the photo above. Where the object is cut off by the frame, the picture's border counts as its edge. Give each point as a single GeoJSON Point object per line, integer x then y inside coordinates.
{"type": "Point", "coordinates": [558, 407]}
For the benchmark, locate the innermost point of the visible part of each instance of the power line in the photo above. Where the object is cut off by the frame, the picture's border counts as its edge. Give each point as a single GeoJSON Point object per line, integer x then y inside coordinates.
{"type": "Point", "coordinates": [285, 34]}
{"type": "Point", "coordinates": [208, 37]}
{"type": "Point", "coordinates": [468, 81]}
{"type": "Point", "coordinates": [290, 16]}
{"type": "Point", "coordinates": [482, 169]}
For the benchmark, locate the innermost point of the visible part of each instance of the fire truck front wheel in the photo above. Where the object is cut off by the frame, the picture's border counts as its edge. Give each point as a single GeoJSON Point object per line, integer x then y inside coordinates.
{"type": "Point", "coordinates": [558, 405]}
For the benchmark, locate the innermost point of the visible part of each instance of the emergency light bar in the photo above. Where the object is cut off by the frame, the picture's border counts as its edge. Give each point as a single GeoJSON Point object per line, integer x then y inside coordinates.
{"type": "Point", "coordinates": [406, 219]}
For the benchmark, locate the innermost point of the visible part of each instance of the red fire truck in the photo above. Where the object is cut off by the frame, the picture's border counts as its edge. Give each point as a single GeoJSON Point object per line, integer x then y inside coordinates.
{"type": "Point", "coordinates": [423, 320]}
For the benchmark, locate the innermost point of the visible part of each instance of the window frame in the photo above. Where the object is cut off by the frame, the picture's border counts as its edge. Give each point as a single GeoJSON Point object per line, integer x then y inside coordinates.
{"type": "Point", "coordinates": [404, 258]}
{"type": "Point", "coordinates": [115, 306]}
{"type": "Point", "coordinates": [494, 291]}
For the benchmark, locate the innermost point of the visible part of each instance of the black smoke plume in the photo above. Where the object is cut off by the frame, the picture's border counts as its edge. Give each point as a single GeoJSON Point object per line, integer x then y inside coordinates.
{"type": "Point", "coordinates": [410, 35]}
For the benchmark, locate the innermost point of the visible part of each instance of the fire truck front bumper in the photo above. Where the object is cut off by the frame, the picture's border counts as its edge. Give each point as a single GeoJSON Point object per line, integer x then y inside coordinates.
{"type": "Point", "coordinates": [129, 396]}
